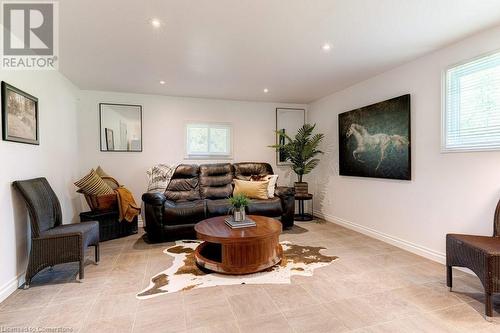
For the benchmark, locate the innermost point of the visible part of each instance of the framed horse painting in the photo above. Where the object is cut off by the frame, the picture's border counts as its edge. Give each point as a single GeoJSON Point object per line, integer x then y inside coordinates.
{"type": "Point", "coordinates": [374, 141]}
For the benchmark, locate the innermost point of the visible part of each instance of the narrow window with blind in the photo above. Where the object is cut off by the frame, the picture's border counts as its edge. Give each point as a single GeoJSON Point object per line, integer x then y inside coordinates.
{"type": "Point", "coordinates": [471, 113]}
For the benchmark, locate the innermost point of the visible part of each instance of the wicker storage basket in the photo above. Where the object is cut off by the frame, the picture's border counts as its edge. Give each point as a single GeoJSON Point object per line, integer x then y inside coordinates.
{"type": "Point", "coordinates": [105, 202]}
{"type": "Point", "coordinates": [102, 203]}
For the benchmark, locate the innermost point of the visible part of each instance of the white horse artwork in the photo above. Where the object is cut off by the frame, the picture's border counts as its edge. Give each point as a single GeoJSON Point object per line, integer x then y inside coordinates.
{"type": "Point", "coordinates": [377, 142]}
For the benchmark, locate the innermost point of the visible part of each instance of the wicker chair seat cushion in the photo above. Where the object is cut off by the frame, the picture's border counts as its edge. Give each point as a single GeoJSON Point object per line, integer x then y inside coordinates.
{"type": "Point", "coordinates": [89, 231]}
{"type": "Point", "coordinates": [489, 245]}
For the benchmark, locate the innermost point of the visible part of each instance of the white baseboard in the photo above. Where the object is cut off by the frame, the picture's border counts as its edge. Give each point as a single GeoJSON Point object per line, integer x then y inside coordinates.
{"type": "Point", "coordinates": [11, 286]}
{"type": "Point", "coordinates": [140, 222]}
{"type": "Point", "coordinates": [401, 243]}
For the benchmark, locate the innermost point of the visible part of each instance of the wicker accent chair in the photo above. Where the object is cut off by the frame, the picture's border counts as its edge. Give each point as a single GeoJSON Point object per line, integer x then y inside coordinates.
{"type": "Point", "coordinates": [481, 254]}
{"type": "Point", "coordinates": [52, 242]}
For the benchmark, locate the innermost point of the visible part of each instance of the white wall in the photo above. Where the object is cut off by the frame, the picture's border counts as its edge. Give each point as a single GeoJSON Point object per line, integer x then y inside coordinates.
{"type": "Point", "coordinates": [55, 158]}
{"type": "Point", "coordinates": [454, 192]}
{"type": "Point", "coordinates": [163, 134]}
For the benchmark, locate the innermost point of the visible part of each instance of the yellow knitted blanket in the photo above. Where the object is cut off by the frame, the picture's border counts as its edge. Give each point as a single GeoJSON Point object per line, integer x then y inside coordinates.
{"type": "Point", "coordinates": [126, 204]}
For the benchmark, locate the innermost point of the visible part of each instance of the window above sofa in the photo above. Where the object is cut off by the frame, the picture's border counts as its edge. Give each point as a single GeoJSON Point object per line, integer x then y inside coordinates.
{"type": "Point", "coordinates": [207, 140]}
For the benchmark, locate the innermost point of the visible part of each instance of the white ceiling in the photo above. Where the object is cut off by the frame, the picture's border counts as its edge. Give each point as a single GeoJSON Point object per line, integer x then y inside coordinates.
{"type": "Point", "coordinates": [233, 49]}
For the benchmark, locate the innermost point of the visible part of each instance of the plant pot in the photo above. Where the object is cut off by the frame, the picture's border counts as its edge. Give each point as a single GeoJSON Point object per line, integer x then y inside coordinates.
{"type": "Point", "coordinates": [301, 188]}
{"type": "Point", "coordinates": [239, 214]}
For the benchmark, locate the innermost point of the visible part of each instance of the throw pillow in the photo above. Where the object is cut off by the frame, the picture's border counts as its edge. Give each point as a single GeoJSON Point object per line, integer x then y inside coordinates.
{"type": "Point", "coordinates": [252, 189]}
{"type": "Point", "coordinates": [101, 172]}
{"type": "Point", "coordinates": [273, 179]}
{"type": "Point", "coordinates": [113, 183]}
{"type": "Point", "coordinates": [92, 184]}
{"type": "Point", "coordinates": [159, 177]}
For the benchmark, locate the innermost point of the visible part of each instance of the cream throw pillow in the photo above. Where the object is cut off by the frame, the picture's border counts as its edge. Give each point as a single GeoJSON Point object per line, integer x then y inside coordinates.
{"type": "Point", "coordinates": [273, 179]}
{"type": "Point", "coordinates": [252, 189]}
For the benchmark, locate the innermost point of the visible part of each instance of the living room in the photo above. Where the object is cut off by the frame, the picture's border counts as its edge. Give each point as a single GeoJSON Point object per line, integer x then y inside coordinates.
{"type": "Point", "coordinates": [298, 166]}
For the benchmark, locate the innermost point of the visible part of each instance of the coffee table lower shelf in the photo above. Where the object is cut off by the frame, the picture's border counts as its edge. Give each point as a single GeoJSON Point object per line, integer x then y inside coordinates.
{"type": "Point", "coordinates": [239, 258]}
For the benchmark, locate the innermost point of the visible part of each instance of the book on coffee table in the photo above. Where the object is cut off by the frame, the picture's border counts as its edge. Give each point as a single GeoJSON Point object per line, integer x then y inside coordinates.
{"type": "Point", "coordinates": [230, 222]}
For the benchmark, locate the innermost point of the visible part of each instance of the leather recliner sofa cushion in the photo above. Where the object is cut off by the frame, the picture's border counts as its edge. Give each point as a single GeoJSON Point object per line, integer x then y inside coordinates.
{"type": "Point", "coordinates": [184, 212]}
{"type": "Point", "coordinates": [245, 170]}
{"type": "Point", "coordinates": [269, 207]}
{"type": "Point", "coordinates": [215, 181]}
{"type": "Point", "coordinates": [184, 185]}
{"type": "Point", "coordinates": [218, 207]}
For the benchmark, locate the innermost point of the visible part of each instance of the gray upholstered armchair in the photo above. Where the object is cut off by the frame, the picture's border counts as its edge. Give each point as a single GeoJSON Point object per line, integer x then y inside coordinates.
{"type": "Point", "coordinates": [52, 242]}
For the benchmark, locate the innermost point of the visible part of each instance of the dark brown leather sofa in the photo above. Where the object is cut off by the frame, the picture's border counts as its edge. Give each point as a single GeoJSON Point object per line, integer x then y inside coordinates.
{"type": "Point", "coordinates": [199, 192]}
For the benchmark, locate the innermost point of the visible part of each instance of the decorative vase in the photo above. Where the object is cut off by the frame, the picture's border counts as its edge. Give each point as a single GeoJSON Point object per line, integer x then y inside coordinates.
{"type": "Point", "coordinates": [239, 214]}
{"type": "Point", "coordinates": [301, 188]}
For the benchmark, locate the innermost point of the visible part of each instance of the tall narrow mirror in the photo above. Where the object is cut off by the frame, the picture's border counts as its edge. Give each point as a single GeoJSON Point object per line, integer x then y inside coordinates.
{"type": "Point", "coordinates": [120, 127]}
{"type": "Point", "coordinates": [288, 121]}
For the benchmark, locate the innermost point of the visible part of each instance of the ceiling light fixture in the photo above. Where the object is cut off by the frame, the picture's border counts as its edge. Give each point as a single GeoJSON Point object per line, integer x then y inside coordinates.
{"type": "Point", "coordinates": [156, 23]}
{"type": "Point", "coordinates": [326, 47]}
{"type": "Point", "coordinates": [162, 82]}
{"type": "Point", "coordinates": [266, 90]}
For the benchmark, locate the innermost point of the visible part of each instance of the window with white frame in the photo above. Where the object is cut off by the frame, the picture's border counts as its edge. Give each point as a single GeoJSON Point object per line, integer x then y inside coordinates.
{"type": "Point", "coordinates": [471, 113]}
{"type": "Point", "coordinates": [208, 140]}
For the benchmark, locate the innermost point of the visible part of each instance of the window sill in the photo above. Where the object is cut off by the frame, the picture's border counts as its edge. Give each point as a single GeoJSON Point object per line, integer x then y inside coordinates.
{"type": "Point", "coordinates": [208, 157]}
{"type": "Point", "coordinates": [469, 150]}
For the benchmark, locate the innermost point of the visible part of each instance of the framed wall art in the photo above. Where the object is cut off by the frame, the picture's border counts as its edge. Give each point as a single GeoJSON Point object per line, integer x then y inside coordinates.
{"type": "Point", "coordinates": [19, 116]}
{"type": "Point", "coordinates": [374, 141]}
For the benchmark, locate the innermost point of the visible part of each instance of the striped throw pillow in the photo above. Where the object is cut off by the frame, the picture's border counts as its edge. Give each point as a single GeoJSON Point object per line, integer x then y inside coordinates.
{"type": "Point", "coordinates": [92, 184]}
{"type": "Point", "coordinates": [113, 183]}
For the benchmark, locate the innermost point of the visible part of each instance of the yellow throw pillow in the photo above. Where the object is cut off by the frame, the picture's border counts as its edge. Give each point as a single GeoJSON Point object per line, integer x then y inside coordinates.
{"type": "Point", "coordinates": [252, 189]}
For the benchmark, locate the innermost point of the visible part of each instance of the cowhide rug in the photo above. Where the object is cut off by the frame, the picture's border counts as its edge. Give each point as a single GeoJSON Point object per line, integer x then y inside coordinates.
{"type": "Point", "coordinates": [184, 274]}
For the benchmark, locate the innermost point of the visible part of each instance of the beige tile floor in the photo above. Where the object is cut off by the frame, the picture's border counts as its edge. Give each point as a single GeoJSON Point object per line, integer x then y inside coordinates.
{"type": "Point", "coordinates": [373, 287]}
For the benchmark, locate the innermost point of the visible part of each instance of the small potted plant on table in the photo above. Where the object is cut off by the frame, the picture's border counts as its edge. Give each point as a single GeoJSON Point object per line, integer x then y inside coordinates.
{"type": "Point", "coordinates": [239, 202]}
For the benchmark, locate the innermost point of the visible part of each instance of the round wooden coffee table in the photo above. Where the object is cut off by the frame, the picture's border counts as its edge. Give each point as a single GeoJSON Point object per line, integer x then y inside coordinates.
{"type": "Point", "coordinates": [238, 251]}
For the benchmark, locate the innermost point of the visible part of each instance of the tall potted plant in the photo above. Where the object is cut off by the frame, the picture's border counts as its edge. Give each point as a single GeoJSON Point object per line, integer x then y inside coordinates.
{"type": "Point", "coordinates": [301, 151]}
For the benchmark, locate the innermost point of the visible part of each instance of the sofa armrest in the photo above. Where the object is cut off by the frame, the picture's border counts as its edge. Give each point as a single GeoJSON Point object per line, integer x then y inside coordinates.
{"type": "Point", "coordinates": [283, 191]}
{"type": "Point", "coordinates": [154, 198]}
{"type": "Point", "coordinates": [154, 204]}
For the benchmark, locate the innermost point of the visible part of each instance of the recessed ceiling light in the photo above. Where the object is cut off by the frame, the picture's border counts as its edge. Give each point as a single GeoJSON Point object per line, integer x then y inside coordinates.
{"type": "Point", "coordinates": [326, 47]}
{"type": "Point", "coordinates": [156, 23]}
{"type": "Point", "coordinates": [162, 82]}
{"type": "Point", "coordinates": [266, 90]}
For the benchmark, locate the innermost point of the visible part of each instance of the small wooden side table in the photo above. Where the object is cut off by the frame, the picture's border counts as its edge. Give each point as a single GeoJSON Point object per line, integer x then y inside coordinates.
{"type": "Point", "coordinates": [302, 215]}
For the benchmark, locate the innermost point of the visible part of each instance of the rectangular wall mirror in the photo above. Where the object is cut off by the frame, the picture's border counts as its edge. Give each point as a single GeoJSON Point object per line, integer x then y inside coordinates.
{"type": "Point", "coordinates": [120, 127]}
{"type": "Point", "coordinates": [289, 121]}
